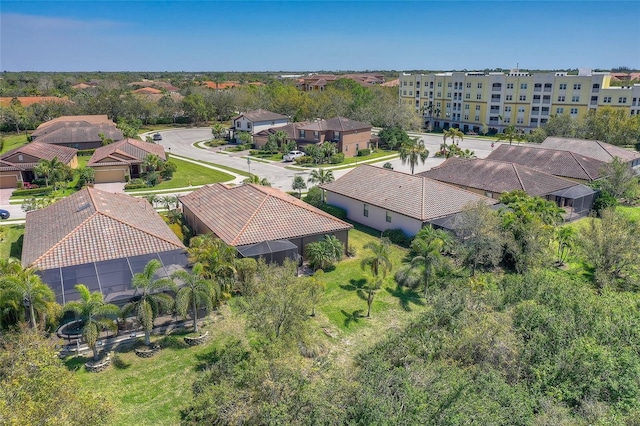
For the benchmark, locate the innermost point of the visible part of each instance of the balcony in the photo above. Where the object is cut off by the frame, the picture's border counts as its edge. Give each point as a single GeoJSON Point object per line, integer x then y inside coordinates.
{"type": "Point", "coordinates": [593, 103]}
{"type": "Point", "coordinates": [537, 89]}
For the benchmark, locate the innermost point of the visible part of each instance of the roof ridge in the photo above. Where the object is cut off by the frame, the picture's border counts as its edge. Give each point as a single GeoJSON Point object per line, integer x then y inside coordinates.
{"type": "Point", "coordinates": [580, 164]}
{"type": "Point", "coordinates": [515, 169]}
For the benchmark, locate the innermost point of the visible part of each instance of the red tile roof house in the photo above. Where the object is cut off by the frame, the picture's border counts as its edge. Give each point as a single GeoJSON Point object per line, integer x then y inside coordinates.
{"type": "Point", "coordinates": [77, 131]}
{"type": "Point", "coordinates": [593, 149]}
{"type": "Point", "coordinates": [243, 216]}
{"type": "Point", "coordinates": [576, 167]}
{"type": "Point", "coordinates": [116, 161]}
{"type": "Point", "coordinates": [101, 240]}
{"type": "Point", "coordinates": [349, 135]}
{"type": "Point", "coordinates": [16, 166]}
{"type": "Point", "coordinates": [257, 120]}
{"type": "Point", "coordinates": [493, 178]}
{"type": "Point", "coordinates": [386, 199]}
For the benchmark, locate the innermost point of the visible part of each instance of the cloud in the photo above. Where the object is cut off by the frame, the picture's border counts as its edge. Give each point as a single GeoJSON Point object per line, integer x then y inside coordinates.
{"type": "Point", "coordinates": [16, 23]}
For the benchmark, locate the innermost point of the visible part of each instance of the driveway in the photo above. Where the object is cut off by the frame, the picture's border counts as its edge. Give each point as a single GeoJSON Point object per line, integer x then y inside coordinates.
{"type": "Point", "coordinates": [115, 187]}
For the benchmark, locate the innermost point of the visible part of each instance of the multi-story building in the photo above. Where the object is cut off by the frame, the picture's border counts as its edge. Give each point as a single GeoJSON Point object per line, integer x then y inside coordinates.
{"type": "Point", "coordinates": [473, 100]}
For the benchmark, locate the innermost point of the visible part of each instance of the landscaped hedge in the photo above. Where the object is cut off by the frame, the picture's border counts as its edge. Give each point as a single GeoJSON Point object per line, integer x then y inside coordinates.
{"type": "Point", "coordinates": [45, 190]}
{"type": "Point", "coordinates": [397, 236]}
{"type": "Point", "coordinates": [85, 152]}
{"type": "Point", "coordinates": [337, 158]}
{"type": "Point", "coordinates": [333, 210]}
{"type": "Point", "coordinates": [364, 152]}
{"type": "Point", "coordinates": [134, 185]}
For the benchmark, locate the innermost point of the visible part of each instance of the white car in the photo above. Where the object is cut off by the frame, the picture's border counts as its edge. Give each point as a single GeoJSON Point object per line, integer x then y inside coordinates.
{"type": "Point", "coordinates": [292, 155]}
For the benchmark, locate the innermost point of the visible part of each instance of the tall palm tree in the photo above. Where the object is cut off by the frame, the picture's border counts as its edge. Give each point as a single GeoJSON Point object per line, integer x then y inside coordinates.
{"type": "Point", "coordinates": [429, 257]}
{"type": "Point", "coordinates": [52, 170]}
{"type": "Point", "coordinates": [218, 259]}
{"type": "Point", "coordinates": [281, 138]}
{"type": "Point", "coordinates": [321, 176]}
{"type": "Point", "coordinates": [95, 314]}
{"type": "Point", "coordinates": [379, 263]}
{"type": "Point", "coordinates": [24, 286]}
{"type": "Point", "coordinates": [510, 133]}
{"type": "Point", "coordinates": [218, 130]}
{"type": "Point", "coordinates": [150, 303]}
{"type": "Point", "coordinates": [195, 291]}
{"type": "Point", "coordinates": [257, 180]}
{"type": "Point", "coordinates": [413, 151]}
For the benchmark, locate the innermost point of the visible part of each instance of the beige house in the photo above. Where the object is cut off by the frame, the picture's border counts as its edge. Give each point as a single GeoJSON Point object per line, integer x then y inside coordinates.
{"type": "Point", "coordinates": [16, 166]}
{"type": "Point", "coordinates": [119, 160]}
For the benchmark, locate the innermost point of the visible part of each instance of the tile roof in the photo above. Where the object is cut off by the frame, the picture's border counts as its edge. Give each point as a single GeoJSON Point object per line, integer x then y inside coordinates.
{"type": "Point", "coordinates": [338, 124]}
{"type": "Point", "coordinates": [414, 196]}
{"type": "Point", "coordinates": [250, 214]}
{"type": "Point", "coordinates": [261, 115]}
{"type": "Point", "coordinates": [558, 163]}
{"type": "Point", "coordinates": [593, 149]}
{"type": "Point", "coordinates": [42, 151]}
{"type": "Point", "coordinates": [77, 132]}
{"type": "Point", "coordinates": [290, 128]}
{"type": "Point", "coordinates": [496, 176]}
{"type": "Point", "coordinates": [30, 100]}
{"type": "Point", "coordinates": [126, 151]}
{"type": "Point", "coordinates": [147, 91]}
{"type": "Point", "coordinates": [92, 226]}
{"type": "Point", "coordinates": [91, 119]}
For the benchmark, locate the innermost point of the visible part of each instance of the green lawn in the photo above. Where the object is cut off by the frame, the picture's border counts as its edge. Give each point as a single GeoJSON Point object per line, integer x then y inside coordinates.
{"type": "Point", "coordinates": [189, 174]}
{"type": "Point", "coordinates": [13, 141]}
{"type": "Point", "coordinates": [11, 241]}
{"type": "Point", "coordinates": [354, 160]}
{"type": "Point", "coordinates": [632, 213]}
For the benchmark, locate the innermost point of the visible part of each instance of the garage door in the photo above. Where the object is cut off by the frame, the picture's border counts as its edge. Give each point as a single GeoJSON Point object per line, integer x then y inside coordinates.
{"type": "Point", "coordinates": [105, 176]}
{"type": "Point", "coordinates": [8, 181]}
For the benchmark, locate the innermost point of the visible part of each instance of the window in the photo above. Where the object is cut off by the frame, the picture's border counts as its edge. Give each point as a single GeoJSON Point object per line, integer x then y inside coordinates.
{"type": "Point", "coordinates": [535, 109]}
{"type": "Point", "coordinates": [466, 106]}
{"type": "Point", "coordinates": [575, 99]}
{"type": "Point", "coordinates": [411, 83]}
{"type": "Point", "coordinates": [574, 111]}
{"type": "Point", "coordinates": [520, 120]}
{"type": "Point", "coordinates": [577, 86]}
{"type": "Point", "coordinates": [560, 110]}
{"type": "Point", "coordinates": [523, 97]}
{"type": "Point", "coordinates": [606, 100]}
{"type": "Point", "coordinates": [448, 104]}
{"type": "Point", "coordinates": [523, 86]}
{"type": "Point", "coordinates": [439, 94]}
{"type": "Point", "coordinates": [404, 83]}
{"type": "Point", "coordinates": [508, 97]}
{"type": "Point", "coordinates": [388, 217]}
{"type": "Point", "coordinates": [316, 134]}
{"type": "Point", "coordinates": [438, 104]}
{"type": "Point", "coordinates": [509, 85]}
{"type": "Point", "coordinates": [479, 96]}
{"type": "Point", "coordinates": [507, 120]}
{"type": "Point", "coordinates": [507, 109]}
{"type": "Point", "coordinates": [365, 212]}
{"type": "Point", "coordinates": [302, 133]}
{"type": "Point", "coordinates": [410, 92]}
{"type": "Point", "coordinates": [622, 100]}
{"type": "Point", "coordinates": [561, 98]}
{"type": "Point", "coordinates": [469, 85]}
{"type": "Point", "coordinates": [448, 94]}
{"type": "Point", "coordinates": [467, 96]}
{"type": "Point", "coordinates": [521, 109]}
{"type": "Point", "coordinates": [417, 84]}
{"type": "Point", "coordinates": [449, 84]}
{"type": "Point", "coordinates": [477, 118]}
{"type": "Point", "coordinates": [534, 121]}
{"type": "Point", "coordinates": [466, 116]}
{"type": "Point", "coordinates": [249, 126]}
{"type": "Point", "coordinates": [238, 124]}
{"type": "Point", "coordinates": [479, 85]}
{"type": "Point", "coordinates": [495, 98]}
{"type": "Point", "coordinates": [404, 93]}
{"type": "Point", "coordinates": [439, 84]}
{"type": "Point", "coordinates": [488, 194]}
{"type": "Point", "coordinates": [336, 136]}
{"type": "Point", "coordinates": [477, 107]}
{"type": "Point", "coordinates": [537, 86]}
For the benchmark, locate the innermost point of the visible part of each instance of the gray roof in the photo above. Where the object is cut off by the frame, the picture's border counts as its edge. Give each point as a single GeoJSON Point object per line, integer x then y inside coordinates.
{"type": "Point", "coordinates": [126, 151]}
{"type": "Point", "coordinates": [261, 115]}
{"type": "Point", "coordinates": [32, 153]}
{"type": "Point", "coordinates": [556, 162]}
{"type": "Point", "coordinates": [496, 176]}
{"type": "Point", "coordinates": [78, 132]}
{"type": "Point", "coordinates": [413, 196]}
{"type": "Point", "coordinates": [589, 148]}
{"type": "Point", "coordinates": [337, 124]}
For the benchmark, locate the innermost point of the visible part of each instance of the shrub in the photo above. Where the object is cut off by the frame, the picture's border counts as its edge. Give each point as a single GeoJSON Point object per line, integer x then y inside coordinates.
{"type": "Point", "coordinates": [305, 159]}
{"type": "Point", "coordinates": [85, 152]}
{"type": "Point", "coordinates": [45, 190]}
{"type": "Point", "coordinates": [337, 158]}
{"type": "Point", "coordinates": [314, 196]}
{"type": "Point", "coordinates": [177, 229]}
{"type": "Point", "coordinates": [397, 236]}
{"type": "Point", "coordinates": [333, 210]}
{"type": "Point", "coordinates": [364, 152]}
{"type": "Point", "coordinates": [136, 184]}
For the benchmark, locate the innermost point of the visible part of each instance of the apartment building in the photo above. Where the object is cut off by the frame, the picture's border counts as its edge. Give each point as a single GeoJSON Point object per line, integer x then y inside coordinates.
{"type": "Point", "coordinates": [471, 100]}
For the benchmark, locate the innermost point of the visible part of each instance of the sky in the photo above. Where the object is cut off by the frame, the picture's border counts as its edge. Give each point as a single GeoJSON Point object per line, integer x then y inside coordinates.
{"type": "Point", "coordinates": [317, 35]}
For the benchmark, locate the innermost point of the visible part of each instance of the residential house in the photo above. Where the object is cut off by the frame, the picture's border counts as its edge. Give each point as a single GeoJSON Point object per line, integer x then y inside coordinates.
{"type": "Point", "coordinates": [386, 199]}
{"type": "Point", "coordinates": [78, 131]}
{"type": "Point", "coordinates": [291, 129]}
{"type": "Point", "coordinates": [576, 167]}
{"type": "Point", "coordinates": [249, 215]}
{"type": "Point", "coordinates": [493, 178]}
{"type": "Point", "coordinates": [348, 135]}
{"type": "Point", "coordinates": [121, 160]}
{"type": "Point", "coordinates": [593, 149]}
{"type": "Point", "coordinates": [16, 166]}
{"type": "Point", "coordinates": [99, 239]}
{"type": "Point", "coordinates": [256, 121]}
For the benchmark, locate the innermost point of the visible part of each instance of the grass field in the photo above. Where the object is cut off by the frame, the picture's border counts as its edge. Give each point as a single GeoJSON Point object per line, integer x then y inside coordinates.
{"type": "Point", "coordinates": [11, 241]}
{"type": "Point", "coordinates": [12, 141]}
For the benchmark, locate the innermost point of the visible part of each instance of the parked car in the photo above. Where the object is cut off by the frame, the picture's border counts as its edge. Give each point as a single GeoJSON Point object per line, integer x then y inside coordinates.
{"type": "Point", "coordinates": [292, 155]}
{"type": "Point", "coordinates": [157, 137]}
{"type": "Point", "coordinates": [4, 214]}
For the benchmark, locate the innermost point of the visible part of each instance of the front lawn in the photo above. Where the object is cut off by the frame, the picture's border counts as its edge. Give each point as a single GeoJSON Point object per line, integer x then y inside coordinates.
{"type": "Point", "coordinates": [356, 160]}
{"type": "Point", "coordinates": [11, 241]}
{"type": "Point", "coordinates": [189, 174]}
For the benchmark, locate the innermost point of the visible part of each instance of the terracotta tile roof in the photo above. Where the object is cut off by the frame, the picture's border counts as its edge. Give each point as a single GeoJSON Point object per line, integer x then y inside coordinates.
{"type": "Point", "coordinates": [126, 151]}
{"type": "Point", "coordinates": [339, 124]}
{"type": "Point", "coordinates": [30, 100]}
{"type": "Point", "coordinates": [496, 176]}
{"type": "Point", "coordinates": [250, 214]}
{"type": "Point", "coordinates": [552, 161]}
{"type": "Point", "coordinates": [414, 196]}
{"type": "Point", "coordinates": [260, 115]}
{"type": "Point", "coordinates": [92, 226]}
{"type": "Point", "coordinates": [147, 91]}
{"type": "Point", "coordinates": [391, 83]}
{"type": "Point", "coordinates": [593, 149]}
{"type": "Point", "coordinates": [41, 151]}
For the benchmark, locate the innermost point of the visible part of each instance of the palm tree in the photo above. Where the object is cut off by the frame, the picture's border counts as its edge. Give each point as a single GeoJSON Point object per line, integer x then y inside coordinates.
{"type": "Point", "coordinates": [324, 253]}
{"type": "Point", "coordinates": [299, 184]}
{"type": "Point", "coordinates": [412, 152]}
{"type": "Point", "coordinates": [257, 180]}
{"type": "Point", "coordinates": [94, 313]}
{"type": "Point", "coordinates": [379, 263]}
{"type": "Point", "coordinates": [429, 257]}
{"type": "Point", "coordinates": [218, 130]}
{"type": "Point", "coordinates": [510, 133]}
{"type": "Point", "coordinates": [321, 176]}
{"type": "Point", "coordinates": [52, 170]}
{"type": "Point", "coordinates": [217, 258]}
{"type": "Point", "coordinates": [566, 236]}
{"type": "Point", "coordinates": [281, 138]}
{"type": "Point", "coordinates": [149, 304]}
{"type": "Point", "coordinates": [196, 291]}
{"type": "Point", "coordinates": [23, 285]}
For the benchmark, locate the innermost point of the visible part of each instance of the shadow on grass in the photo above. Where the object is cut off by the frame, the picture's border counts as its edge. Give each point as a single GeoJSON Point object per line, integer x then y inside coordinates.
{"type": "Point", "coordinates": [406, 297]}
{"type": "Point", "coordinates": [353, 317]}
{"type": "Point", "coordinates": [16, 248]}
{"type": "Point", "coordinates": [119, 363]}
{"type": "Point", "coordinates": [74, 363]}
{"type": "Point", "coordinates": [354, 285]}
{"type": "Point", "coordinates": [174, 341]}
